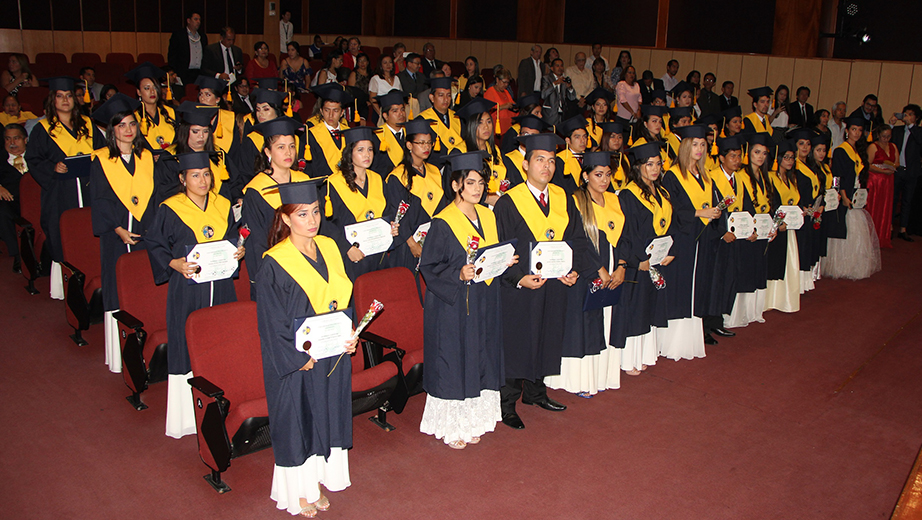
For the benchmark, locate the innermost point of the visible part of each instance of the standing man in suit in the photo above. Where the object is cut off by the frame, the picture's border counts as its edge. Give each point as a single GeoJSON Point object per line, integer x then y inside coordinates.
{"type": "Point", "coordinates": [187, 46]}
{"type": "Point", "coordinates": [727, 99]}
{"type": "Point", "coordinates": [556, 91]}
{"type": "Point", "coordinates": [223, 60]}
{"type": "Point", "coordinates": [708, 101]}
{"type": "Point", "coordinates": [12, 168]}
{"type": "Point", "coordinates": [869, 111]}
{"type": "Point", "coordinates": [531, 70]}
{"type": "Point", "coordinates": [412, 79]}
{"type": "Point", "coordinates": [648, 84]}
{"type": "Point", "coordinates": [908, 140]}
{"type": "Point", "coordinates": [429, 62]}
{"type": "Point", "coordinates": [800, 113]}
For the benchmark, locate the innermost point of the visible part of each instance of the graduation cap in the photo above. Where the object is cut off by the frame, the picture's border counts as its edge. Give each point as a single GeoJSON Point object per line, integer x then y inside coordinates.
{"type": "Point", "coordinates": [756, 93]}
{"type": "Point", "coordinates": [801, 133]}
{"type": "Point", "coordinates": [444, 83]}
{"type": "Point", "coordinates": [195, 114]}
{"type": "Point", "coordinates": [194, 160]}
{"type": "Point", "coordinates": [658, 94]}
{"type": "Point", "coordinates": [333, 92]}
{"type": "Point", "coordinates": [273, 97]}
{"type": "Point", "coordinates": [267, 83]}
{"type": "Point", "coordinates": [693, 132]}
{"type": "Point", "coordinates": [643, 152]}
{"type": "Point", "coordinates": [394, 97]}
{"type": "Point", "coordinates": [593, 159]}
{"type": "Point", "coordinates": [785, 147]}
{"type": "Point", "coordinates": [819, 139]}
{"type": "Point", "coordinates": [726, 144]}
{"type": "Point", "coordinates": [599, 92]}
{"type": "Point", "coordinates": [708, 120]}
{"type": "Point", "coordinates": [571, 125]}
{"type": "Point", "coordinates": [145, 70]}
{"type": "Point", "coordinates": [466, 161]}
{"type": "Point", "coordinates": [117, 104]}
{"type": "Point", "coordinates": [856, 121]}
{"type": "Point", "coordinates": [682, 86]}
{"type": "Point", "coordinates": [359, 133]}
{"type": "Point", "coordinates": [545, 141]}
{"type": "Point", "coordinates": [732, 112]}
{"type": "Point", "coordinates": [761, 138]}
{"type": "Point", "coordinates": [478, 105]}
{"type": "Point", "coordinates": [653, 110]}
{"type": "Point", "coordinates": [419, 125]}
{"type": "Point", "coordinates": [531, 121]}
{"type": "Point", "coordinates": [279, 126]}
{"type": "Point", "coordinates": [60, 83]}
{"type": "Point", "coordinates": [679, 112]}
{"type": "Point", "coordinates": [302, 192]}
{"type": "Point", "coordinates": [529, 99]}
{"type": "Point", "coordinates": [612, 127]}
{"type": "Point", "coordinates": [216, 85]}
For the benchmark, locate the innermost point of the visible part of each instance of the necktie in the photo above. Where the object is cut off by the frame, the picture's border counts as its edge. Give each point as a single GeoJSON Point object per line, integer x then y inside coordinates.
{"type": "Point", "coordinates": [803, 111]}
{"type": "Point", "coordinates": [542, 201]}
{"type": "Point", "coordinates": [579, 158]}
{"type": "Point", "coordinates": [336, 136]}
{"type": "Point", "coordinates": [19, 164]}
{"type": "Point", "coordinates": [230, 60]}
{"type": "Point", "coordinates": [732, 183]}
{"type": "Point", "coordinates": [401, 139]}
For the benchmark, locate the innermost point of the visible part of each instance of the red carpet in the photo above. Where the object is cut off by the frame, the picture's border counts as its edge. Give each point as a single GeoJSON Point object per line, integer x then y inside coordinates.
{"type": "Point", "coordinates": [810, 415]}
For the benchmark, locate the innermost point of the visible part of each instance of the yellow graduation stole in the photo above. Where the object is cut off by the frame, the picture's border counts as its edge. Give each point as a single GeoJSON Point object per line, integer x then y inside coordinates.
{"type": "Point", "coordinates": [828, 176]}
{"type": "Point", "coordinates": [711, 163]}
{"type": "Point", "coordinates": [67, 143]}
{"type": "Point", "coordinates": [673, 142]}
{"type": "Point", "coordinates": [390, 145]}
{"type": "Point", "coordinates": [207, 226]}
{"type": "Point", "coordinates": [449, 137]}
{"type": "Point", "coordinates": [497, 172]}
{"type": "Point", "coordinates": [700, 196]}
{"type": "Point", "coordinates": [224, 132]}
{"type": "Point", "coordinates": [571, 165]}
{"type": "Point", "coordinates": [662, 213]}
{"type": "Point", "coordinates": [362, 208]}
{"type": "Point", "coordinates": [159, 136]}
{"type": "Point", "coordinates": [758, 195]}
{"type": "Point", "coordinates": [853, 155]}
{"type": "Point", "coordinates": [517, 128]}
{"type": "Point", "coordinates": [543, 228]}
{"type": "Point", "coordinates": [757, 125]}
{"type": "Point", "coordinates": [272, 197]}
{"type": "Point", "coordinates": [723, 186]}
{"type": "Point", "coordinates": [610, 219]}
{"type": "Point", "coordinates": [788, 193]}
{"type": "Point", "coordinates": [595, 131]}
{"type": "Point", "coordinates": [324, 296]}
{"type": "Point", "coordinates": [517, 157]}
{"type": "Point", "coordinates": [814, 180]}
{"type": "Point", "coordinates": [428, 188]}
{"type": "Point", "coordinates": [332, 153]}
{"type": "Point", "coordinates": [258, 141]}
{"type": "Point", "coordinates": [134, 191]}
{"type": "Point", "coordinates": [463, 228]}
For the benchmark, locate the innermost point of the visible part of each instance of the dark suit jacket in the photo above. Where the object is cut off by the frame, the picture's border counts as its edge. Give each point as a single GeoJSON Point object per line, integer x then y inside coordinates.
{"type": "Point", "coordinates": [526, 77]}
{"type": "Point", "coordinates": [213, 59]}
{"type": "Point", "coordinates": [913, 147]}
{"type": "Point", "coordinates": [240, 107]}
{"type": "Point", "coordinates": [877, 121]}
{"type": "Point", "coordinates": [709, 103]}
{"type": "Point", "coordinates": [9, 179]}
{"type": "Point", "coordinates": [409, 85]}
{"type": "Point", "coordinates": [724, 104]}
{"type": "Point", "coordinates": [427, 69]}
{"type": "Point", "coordinates": [178, 52]}
{"type": "Point", "coordinates": [646, 93]}
{"type": "Point", "coordinates": [551, 97]}
{"type": "Point", "coordinates": [795, 117]}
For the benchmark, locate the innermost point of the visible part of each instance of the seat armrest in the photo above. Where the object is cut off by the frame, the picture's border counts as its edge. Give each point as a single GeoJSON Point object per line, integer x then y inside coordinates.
{"type": "Point", "coordinates": [374, 338]}
{"type": "Point", "coordinates": [71, 268]}
{"type": "Point", "coordinates": [128, 320]}
{"type": "Point", "coordinates": [206, 387]}
{"type": "Point", "coordinates": [21, 222]}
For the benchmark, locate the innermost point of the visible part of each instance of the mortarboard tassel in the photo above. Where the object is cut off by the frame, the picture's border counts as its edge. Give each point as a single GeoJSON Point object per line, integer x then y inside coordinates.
{"type": "Point", "coordinates": [496, 127]}
{"type": "Point", "coordinates": [86, 92]}
{"type": "Point", "coordinates": [169, 89]}
{"type": "Point", "coordinates": [328, 210]}
{"type": "Point", "coordinates": [714, 150]}
{"type": "Point", "coordinates": [630, 138]}
{"type": "Point", "coordinates": [745, 159]}
{"type": "Point", "coordinates": [871, 133]}
{"type": "Point", "coordinates": [458, 98]}
{"type": "Point", "coordinates": [288, 111]}
{"type": "Point", "coordinates": [355, 112]}
{"type": "Point", "coordinates": [775, 164]}
{"type": "Point", "coordinates": [410, 106]}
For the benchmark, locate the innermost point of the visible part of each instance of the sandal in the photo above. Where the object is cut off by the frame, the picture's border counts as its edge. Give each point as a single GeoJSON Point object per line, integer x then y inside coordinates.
{"type": "Point", "coordinates": [644, 367]}
{"type": "Point", "coordinates": [584, 395]}
{"type": "Point", "coordinates": [633, 372]}
{"type": "Point", "coordinates": [457, 445]}
{"type": "Point", "coordinates": [474, 440]}
{"type": "Point", "coordinates": [309, 511]}
{"type": "Point", "coordinates": [323, 504]}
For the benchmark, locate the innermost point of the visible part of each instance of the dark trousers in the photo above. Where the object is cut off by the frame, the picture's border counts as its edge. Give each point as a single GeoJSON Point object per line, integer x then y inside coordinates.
{"type": "Point", "coordinates": [8, 214]}
{"type": "Point", "coordinates": [531, 391]}
{"type": "Point", "coordinates": [709, 323]}
{"type": "Point", "coordinates": [904, 188]}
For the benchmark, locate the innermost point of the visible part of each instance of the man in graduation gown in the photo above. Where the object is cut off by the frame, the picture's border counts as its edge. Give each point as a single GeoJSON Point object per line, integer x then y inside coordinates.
{"type": "Point", "coordinates": [448, 127]}
{"type": "Point", "coordinates": [570, 160]}
{"type": "Point", "coordinates": [392, 137]}
{"type": "Point", "coordinates": [757, 121]}
{"type": "Point", "coordinates": [536, 211]}
{"type": "Point", "coordinates": [528, 125]}
{"type": "Point", "coordinates": [324, 140]}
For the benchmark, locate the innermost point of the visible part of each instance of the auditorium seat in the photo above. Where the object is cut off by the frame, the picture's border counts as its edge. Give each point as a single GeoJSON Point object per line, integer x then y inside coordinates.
{"type": "Point", "coordinates": [307, 106]}
{"type": "Point", "coordinates": [81, 269]}
{"type": "Point", "coordinates": [51, 60]}
{"type": "Point", "coordinates": [154, 57]}
{"type": "Point", "coordinates": [33, 99]}
{"type": "Point", "coordinates": [316, 66]}
{"type": "Point", "coordinates": [85, 59]}
{"type": "Point", "coordinates": [141, 325]}
{"type": "Point", "coordinates": [245, 60]}
{"type": "Point", "coordinates": [231, 414]}
{"type": "Point", "coordinates": [374, 379]}
{"type": "Point", "coordinates": [123, 59]}
{"type": "Point", "coordinates": [373, 54]}
{"type": "Point", "coordinates": [35, 260]}
{"type": "Point", "coordinates": [110, 73]}
{"type": "Point", "coordinates": [191, 92]}
{"type": "Point", "coordinates": [5, 58]}
{"type": "Point", "coordinates": [127, 88]}
{"type": "Point", "coordinates": [389, 50]}
{"type": "Point", "coordinates": [487, 75]}
{"type": "Point", "coordinates": [457, 68]}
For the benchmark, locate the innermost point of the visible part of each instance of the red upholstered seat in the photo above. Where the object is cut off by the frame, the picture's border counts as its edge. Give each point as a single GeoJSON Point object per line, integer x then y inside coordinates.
{"type": "Point", "coordinates": [81, 268]}
{"type": "Point", "coordinates": [50, 59]}
{"type": "Point", "coordinates": [107, 73]}
{"type": "Point", "coordinates": [374, 53]}
{"type": "Point", "coordinates": [154, 57]}
{"type": "Point", "coordinates": [33, 99]}
{"type": "Point", "coordinates": [123, 59]}
{"type": "Point", "coordinates": [31, 236]}
{"type": "Point", "coordinates": [85, 59]}
{"type": "Point", "coordinates": [457, 68]}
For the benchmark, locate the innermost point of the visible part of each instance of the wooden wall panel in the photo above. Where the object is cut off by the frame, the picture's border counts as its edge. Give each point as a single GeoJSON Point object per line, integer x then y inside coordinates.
{"type": "Point", "coordinates": [834, 83]}
{"type": "Point", "coordinates": [492, 55]}
{"type": "Point", "coordinates": [781, 71]}
{"type": "Point", "coordinates": [895, 85]}
{"type": "Point", "coordinates": [463, 49]}
{"type": "Point", "coordinates": [511, 56]}
{"type": "Point", "coordinates": [808, 72]}
{"type": "Point", "coordinates": [447, 50]}
{"type": "Point", "coordinates": [148, 42]}
{"type": "Point", "coordinates": [164, 44]}
{"type": "Point", "coordinates": [729, 67]}
{"type": "Point", "coordinates": [915, 91]}
{"type": "Point", "coordinates": [686, 63]}
{"type": "Point", "coordinates": [640, 59]}
{"type": "Point", "coordinates": [10, 41]}
{"type": "Point", "coordinates": [68, 42]}
{"type": "Point", "coordinates": [98, 42]}
{"type": "Point", "coordinates": [864, 79]}
{"type": "Point", "coordinates": [707, 62]}
{"type": "Point", "coordinates": [752, 74]}
{"type": "Point", "coordinates": [123, 42]}
{"type": "Point", "coordinates": [479, 49]}
{"type": "Point", "coordinates": [567, 53]}
{"type": "Point", "coordinates": [658, 60]}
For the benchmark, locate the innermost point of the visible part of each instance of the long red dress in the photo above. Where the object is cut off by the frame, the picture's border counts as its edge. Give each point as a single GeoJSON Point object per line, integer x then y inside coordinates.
{"type": "Point", "coordinates": [880, 195]}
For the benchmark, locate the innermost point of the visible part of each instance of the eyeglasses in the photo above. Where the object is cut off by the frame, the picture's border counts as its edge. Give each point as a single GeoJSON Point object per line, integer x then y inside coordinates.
{"type": "Point", "coordinates": [422, 143]}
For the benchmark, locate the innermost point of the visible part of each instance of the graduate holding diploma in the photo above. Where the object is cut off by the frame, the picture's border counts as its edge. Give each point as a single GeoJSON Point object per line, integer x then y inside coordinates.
{"type": "Point", "coordinates": [310, 401]}
{"type": "Point", "coordinates": [198, 215]}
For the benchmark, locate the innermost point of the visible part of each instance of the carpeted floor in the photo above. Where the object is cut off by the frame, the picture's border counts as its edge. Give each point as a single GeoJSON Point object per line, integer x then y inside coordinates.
{"type": "Point", "coordinates": [810, 415]}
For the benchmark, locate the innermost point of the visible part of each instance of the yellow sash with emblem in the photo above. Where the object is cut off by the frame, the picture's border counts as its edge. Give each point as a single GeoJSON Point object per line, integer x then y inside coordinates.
{"type": "Point", "coordinates": [427, 187]}
{"type": "Point", "coordinates": [610, 219]}
{"type": "Point", "coordinates": [543, 228]}
{"type": "Point", "coordinates": [517, 157]}
{"type": "Point", "coordinates": [757, 125]}
{"type": "Point", "coordinates": [788, 193]}
{"type": "Point", "coordinates": [224, 132]}
{"type": "Point", "coordinates": [159, 136]}
{"type": "Point", "coordinates": [324, 296]}
{"type": "Point", "coordinates": [758, 195]}
{"type": "Point", "coordinates": [828, 176]}
{"type": "Point", "coordinates": [390, 145]}
{"type": "Point", "coordinates": [595, 131]}
{"type": "Point", "coordinates": [67, 143]}
{"type": "Point", "coordinates": [853, 155]}
{"type": "Point", "coordinates": [331, 153]}
{"type": "Point", "coordinates": [134, 191]}
{"type": "Point", "coordinates": [808, 173]}
{"type": "Point", "coordinates": [464, 228]}
{"type": "Point", "coordinates": [272, 197]}
{"type": "Point", "coordinates": [362, 208]}
{"type": "Point", "coordinates": [723, 187]}
{"type": "Point", "coordinates": [208, 225]}
{"type": "Point", "coordinates": [497, 171]}
{"type": "Point", "coordinates": [449, 137]}
{"type": "Point", "coordinates": [672, 141]}
{"type": "Point", "coordinates": [701, 196]}
{"type": "Point", "coordinates": [662, 213]}
{"type": "Point", "coordinates": [571, 165]}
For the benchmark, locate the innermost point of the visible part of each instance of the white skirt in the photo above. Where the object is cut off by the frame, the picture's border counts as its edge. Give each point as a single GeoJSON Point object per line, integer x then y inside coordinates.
{"type": "Point", "coordinates": [290, 485]}
{"type": "Point", "coordinates": [57, 281]}
{"type": "Point", "coordinates": [113, 345]}
{"type": "Point", "coordinates": [857, 256]}
{"type": "Point", "coordinates": [180, 407]}
{"type": "Point", "coordinates": [747, 308]}
{"type": "Point", "coordinates": [590, 374]}
{"type": "Point", "coordinates": [806, 281]}
{"type": "Point", "coordinates": [461, 420]}
{"type": "Point", "coordinates": [682, 339]}
{"type": "Point", "coordinates": [639, 351]}
{"type": "Point", "coordinates": [784, 295]}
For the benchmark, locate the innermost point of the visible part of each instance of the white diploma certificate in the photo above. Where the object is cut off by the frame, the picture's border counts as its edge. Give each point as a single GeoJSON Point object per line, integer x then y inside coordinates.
{"type": "Point", "coordinates": [493, 261]}
{"type": "Point", "coordinates": [763, 223]}
{"type": "Point", "coordinates": [323, 336]}
{"type": "Point", "coordinates": [832, 200]}
{"type": "Point", "coordinates": [370, 237]}
{"type": "Point", "coordinates": [793, 216]}
{"type": "Point", "coordinates": [740, 223]}
{"type": "Point", "coordinates": [215, 261]}
{"type": "Point", "coordinates": [421, 231]}
{"type": "Point", "coordinates": [551, 259]}
{"type": "Point", "coordinates": [659, 249]}
{"type": "Point", "coordinates": [860, 198]}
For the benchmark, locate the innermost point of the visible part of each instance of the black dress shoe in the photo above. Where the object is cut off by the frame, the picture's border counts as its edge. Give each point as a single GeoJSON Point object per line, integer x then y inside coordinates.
{"type": "Point", "coordinates": [513, 421]}
{"type": "Point", "coordinates": [724, 332]}
{"type": "Point", "coordinates": [548, 404]}
{"type": "Point", "coordinates": [709, 340]}
{"type": "Point", "coordinates": [905, 236]}
{"type": "Point", "coordinates": [17, 265]}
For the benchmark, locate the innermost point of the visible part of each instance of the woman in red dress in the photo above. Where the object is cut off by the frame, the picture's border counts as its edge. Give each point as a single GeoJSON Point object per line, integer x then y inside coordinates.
{"type": "Point", "coordinates": [884, 162]}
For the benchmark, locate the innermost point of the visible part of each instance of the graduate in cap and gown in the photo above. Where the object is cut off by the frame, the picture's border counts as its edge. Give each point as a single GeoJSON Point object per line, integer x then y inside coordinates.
{"type": "Point", "coordinates": [63, 132]}
{"type": "Point", "coordinates": [122, 185]}
{"type": "Point", "coordinates": [156, 121]}
{"type": "Point", "coordinates": [527, 125]}
{"type": "Point", "coordinates": [589, 365]}
{"type": "Point", "coordinates": [812, 195]}
{"type": "Point", "coordinates": [612, 141]}
{"type": "Point", "coordinates": [570, 159]}
{"type": "Point", "coordinates": [325, 139]}
{"type": "Point", "coordinates": [224, 126]}
{"type": "Point", "coordinates": [463, 325]}
{"type": "Point", "coordinates": [527, 105]}
{"type": "Point", "coordinates": [537, 211]}
{"type": "Point", "coordinates": [448, 126]}
{"type": "Point", "coordinates": [418, 184]}
{"type": "Point", "coordinates": [309, 400]}
{"type": "Point", "coordinates": [651, 130]}
{"type": "Point", "coordinates": [732, 122]}
{"type": "Point", "coordinates": [817, 162]}
{"type": "Point", "coordinates": [392, 135]}
{"type": "Point", "coordinates": [783, 258]}
{"type": "Point", "coordinates": [479, 126]}
{"type": "Point", "coordinates": [757, 120]}
{"type": "Point", "coordinates": [196, 216]}
{"type": "Point", "coordinates": [678, 117]}
{"type": "Point", "coordinates": [599, 103]}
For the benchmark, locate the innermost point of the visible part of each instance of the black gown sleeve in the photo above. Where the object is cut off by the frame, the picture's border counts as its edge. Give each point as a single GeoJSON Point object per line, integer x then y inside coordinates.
{"type": "Point", "coordinates": [437, 265]}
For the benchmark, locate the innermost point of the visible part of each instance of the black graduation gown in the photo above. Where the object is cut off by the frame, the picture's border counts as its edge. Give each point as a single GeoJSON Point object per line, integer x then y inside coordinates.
{"type": "Point", "coordinates": [681, 272]}
{"type": "Point", "coordinates": [241, 163]}
{"type": "Point", "coordinates": [584, 331]}
{"type": "Point", "coordinates": [716, 298]}
{"type": "Point", "coordinates": [844, 168]}
{"type": "Point", "coordinates": [257, 216]}
{"type": "Point", "coordinates": [109, 212]}
{"type": "Point", "coordinates": [167, 183]}
{"type": "Point", "coordinates": [776, 255]}
{"type": "Point", "coordinates": [512, 172]}
{"type": "Point", "coordinates": [167, 239]}
{"type": "Point", "coordinates": [59, 192]}
{"type": "Point", "coordinates": [820, 238]}
{"type": "Point", "coordinates": [318, 165]}
{"type": "Point", "coordinates": [533, 347]}
{"type": "Point", "coordinates": [509, 141]}
{"type": "Point", "coordinates": [394, 193]}
{"type": "Point", "coordinates": [806, 235]}
{"type": "Point", "coordinates": [562, 179]}
{"type": "Point", "coordinates": [750, 260]}
{"type": "Point", "coordinates": [462, 324]}
{"type": "Point", "coordinates": [335, 228]}
{"type": "Point", "coordinates": [310, 413]}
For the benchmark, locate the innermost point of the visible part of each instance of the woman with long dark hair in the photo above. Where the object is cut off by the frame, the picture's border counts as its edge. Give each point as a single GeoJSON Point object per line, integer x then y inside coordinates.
{"type": "Point", "coordinates": [156, 121]}
{"type": "Point", "coordinates": [295, 68]}
{"type": "Point", "coordinates": [263, 64]}
{"type": "Point", "coordinates": [817, 161]}
{"type": "Point", "coordinates": [224, 126]}
{"type": "Point", "coordinates": [479, 134]}
{"type": "Point", "coordinates": [884, 161]}
{"type": "Point", "coordinates": [17, 74]}
{"type": "Point", "coordinates": [812, 194]}
{"type": "Point", "coordinates": [613, 142]}
{"type": "Point", "coordinates": [599, 103]}
{"type": "Point", "coordinates": [783, 287]}
{"type": "Point", "coordinates": [651, 128]}
{"type": "Point", "coordinates": [471, 69]}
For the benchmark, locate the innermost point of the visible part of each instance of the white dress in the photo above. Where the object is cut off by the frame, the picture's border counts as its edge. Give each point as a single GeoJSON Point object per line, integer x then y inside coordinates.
{"type": "Point", "coordinates": [784, 295]}
{"type": "Point", "coordinates": [858, 255]}
{"type": "Point", "coordinates": [289, 485]}
{"type": "Point", "coordinates": [461, 420]}
{"type": "Point", "coordinates": [683, 338]}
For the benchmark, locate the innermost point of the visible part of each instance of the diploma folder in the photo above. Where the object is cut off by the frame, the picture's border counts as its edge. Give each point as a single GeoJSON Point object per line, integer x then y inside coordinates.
{"type": "Point", "coordinates": [482, 251]}
{"type": "Point", "coordinates": [601, 298]}
{"type": "Point", "coordinates": [231, 277]}
{"type": "Point", "coordinates": [78, 166]}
